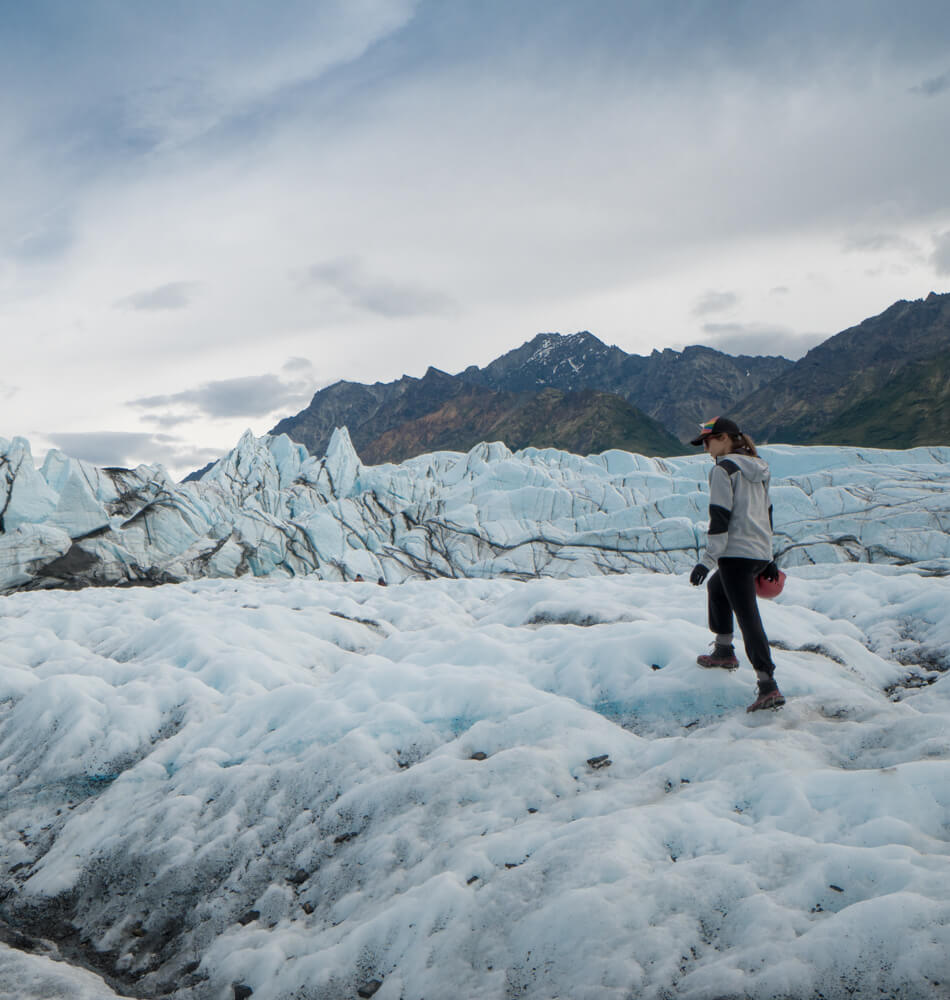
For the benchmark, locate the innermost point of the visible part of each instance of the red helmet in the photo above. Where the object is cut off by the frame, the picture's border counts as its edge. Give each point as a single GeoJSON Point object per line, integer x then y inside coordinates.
{"type": "Point", "coordinates": [769, 588]}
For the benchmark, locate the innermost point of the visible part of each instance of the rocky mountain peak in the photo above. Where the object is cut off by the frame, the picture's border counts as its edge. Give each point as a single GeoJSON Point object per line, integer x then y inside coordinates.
{"type": "Point", "coordinates": [550, 360]}
{"type": "Point", "coordinates": [545, 344]}
{"type": "Point", "coordinates": [439, 410]}
{"type": "Point", "coordinates": [436, 375]}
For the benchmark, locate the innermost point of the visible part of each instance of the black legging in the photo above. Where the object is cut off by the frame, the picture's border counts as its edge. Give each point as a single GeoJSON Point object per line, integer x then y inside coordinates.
{"type": "Point", "coordinates": [732, 590]}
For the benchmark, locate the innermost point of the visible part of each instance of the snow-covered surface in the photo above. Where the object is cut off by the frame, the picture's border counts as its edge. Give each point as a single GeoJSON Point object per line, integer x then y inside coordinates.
{"type": "Point", "coordinates": [270, 508]}
{"type": "Point", "coordinates": [514, 783]}
{"type": "Point", "coordinates": [275, 784]}
{"type": "Point", "coordinates": [37, 977]}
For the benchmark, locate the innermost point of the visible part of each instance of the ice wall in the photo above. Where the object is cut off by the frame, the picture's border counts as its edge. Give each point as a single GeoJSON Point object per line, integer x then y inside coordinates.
{"type": "Point", "coordinates": [269, 507]}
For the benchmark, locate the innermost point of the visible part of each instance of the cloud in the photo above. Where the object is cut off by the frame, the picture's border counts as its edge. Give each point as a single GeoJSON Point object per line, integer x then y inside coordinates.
{"type": "Point", "coordinates": [8, 391]}
{"type": "Point", "coordinates": [174, 295]}
{"type": "Point", "coordinates": [935, 85]}
{"type": "Point", "coordinates": [168, 420]}
{"type": "Point", "coordinates": [417, 154]}
{"type": "Point", "coordinates": [41, 235]}
{"type": "Point", "coordinates": [132, 82]}
{"type": "Point", "coordinates": [940, 258]}
{"type": "Point", "coordinates": [712, 302]}
{"type": "Point", "coordinates": [779, 290]}
{"type": "Point", "coordinates": [102, 447]}
{"type": "Point", "coordinates": [391, 299]}
{"type": "Point", "coordinates": [879, 243]}
{"type": "Point", "coordinates": [125, 449]}
{"type": "Point", "coordinates": [760, 339]}
{"type": "Point", "coordinates": [249, 396]}
{"type": "Point", "coordinates": [297, 365]}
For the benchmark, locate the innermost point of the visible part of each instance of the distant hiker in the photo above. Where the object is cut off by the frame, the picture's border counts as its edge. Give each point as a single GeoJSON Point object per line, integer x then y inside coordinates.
{"type": "Point", "coordinates": [739, 548]}
{"type": "Point", "coordinates": [381, 582]}
{"type": "Point", "coordinates": [358, 578]}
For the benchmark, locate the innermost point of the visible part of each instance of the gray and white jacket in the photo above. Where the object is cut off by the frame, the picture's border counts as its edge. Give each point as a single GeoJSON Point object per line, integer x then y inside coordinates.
{"type": "Point", "coordinates": [740, 512]}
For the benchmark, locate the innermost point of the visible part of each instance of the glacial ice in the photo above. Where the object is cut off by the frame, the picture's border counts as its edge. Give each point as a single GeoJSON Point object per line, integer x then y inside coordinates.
{"type": "Point", "coordinates": [304, 787]}
{"type": "Point", "coordinates": [501, 777]}
{"type": "Point", "coordinates": [24, 976]}
{"type": "Point", "coordinates": [268, 507]}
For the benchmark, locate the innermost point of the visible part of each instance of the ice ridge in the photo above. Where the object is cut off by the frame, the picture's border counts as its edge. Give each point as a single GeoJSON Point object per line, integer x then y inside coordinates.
{"type": "Point", "coordinates": [269, 507]}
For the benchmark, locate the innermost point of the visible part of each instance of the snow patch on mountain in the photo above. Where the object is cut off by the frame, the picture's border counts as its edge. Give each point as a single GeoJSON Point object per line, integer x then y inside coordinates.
{"type": "Point", "coordinates": [543, 352]}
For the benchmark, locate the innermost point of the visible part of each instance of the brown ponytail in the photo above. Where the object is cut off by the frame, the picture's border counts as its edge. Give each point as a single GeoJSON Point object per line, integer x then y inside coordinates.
{"type": "Point", "coordinates": [743, 444]}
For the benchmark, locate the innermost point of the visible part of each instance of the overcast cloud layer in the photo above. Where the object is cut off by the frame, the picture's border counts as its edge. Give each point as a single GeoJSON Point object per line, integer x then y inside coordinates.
{"type": "Point", "coordinates": [212, 209]}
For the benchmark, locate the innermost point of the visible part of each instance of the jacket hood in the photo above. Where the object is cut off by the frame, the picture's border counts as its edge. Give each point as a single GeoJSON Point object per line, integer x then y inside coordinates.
{"type": "Point", "coordinates": [756, 470]}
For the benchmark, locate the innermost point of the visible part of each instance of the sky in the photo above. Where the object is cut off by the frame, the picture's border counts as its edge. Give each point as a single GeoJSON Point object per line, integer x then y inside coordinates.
{"type": "Point", "coordinates": [212, 209]}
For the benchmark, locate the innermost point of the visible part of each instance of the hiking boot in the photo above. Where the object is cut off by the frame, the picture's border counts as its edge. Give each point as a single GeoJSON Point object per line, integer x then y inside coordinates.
{"type": "Point", "coordinates": [770, 699]}
{"type": "Point", "coordinates": [723, 657]}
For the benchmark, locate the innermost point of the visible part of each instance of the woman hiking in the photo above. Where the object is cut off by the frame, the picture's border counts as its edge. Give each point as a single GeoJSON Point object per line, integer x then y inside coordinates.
{"type": "Point", "coordinates": [739, 548]}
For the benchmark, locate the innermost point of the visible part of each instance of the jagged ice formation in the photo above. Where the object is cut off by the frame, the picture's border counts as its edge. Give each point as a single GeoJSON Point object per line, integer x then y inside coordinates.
{"type": "Point", "coordinates": [269, 507]}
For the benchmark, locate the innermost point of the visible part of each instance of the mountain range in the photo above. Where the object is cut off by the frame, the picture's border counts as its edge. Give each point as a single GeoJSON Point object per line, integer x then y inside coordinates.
{"type": "Point", "coordinates": [569, 392]}
{"type": "Point", "coordinates": [882, 383]}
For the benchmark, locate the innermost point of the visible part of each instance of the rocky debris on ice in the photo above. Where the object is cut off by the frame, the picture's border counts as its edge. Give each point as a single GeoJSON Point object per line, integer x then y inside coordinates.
{"type": "Point", "coordinates": [269, 507]}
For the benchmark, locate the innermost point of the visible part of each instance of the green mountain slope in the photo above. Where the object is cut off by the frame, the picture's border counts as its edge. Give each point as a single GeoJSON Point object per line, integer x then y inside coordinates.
{"type": "Point", "coordinates": [819, 397]}
{"type": "Point", "coordinates": [584, 422]}
{"type": "Point", "coordinates": [911, 409]}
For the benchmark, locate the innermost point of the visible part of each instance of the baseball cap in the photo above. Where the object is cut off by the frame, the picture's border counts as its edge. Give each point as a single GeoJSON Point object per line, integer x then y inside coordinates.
{"type": "Point", "coordinates": [718, 425]}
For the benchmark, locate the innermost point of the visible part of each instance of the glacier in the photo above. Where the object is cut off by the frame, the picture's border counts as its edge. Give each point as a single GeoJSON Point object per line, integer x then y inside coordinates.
{"type": "Point", "coordinates": [478, 788]}
{"type": "Point", "coordinates": [503, 775]}
{"type": "Point", "coordinates": [269, 507]}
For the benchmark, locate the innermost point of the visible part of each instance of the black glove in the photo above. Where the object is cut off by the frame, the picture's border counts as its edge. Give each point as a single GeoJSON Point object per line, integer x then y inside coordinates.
{"type": "Point", "coordinates": [700, 572]}
{"type": "Point", "coordinates": [770, 572]}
